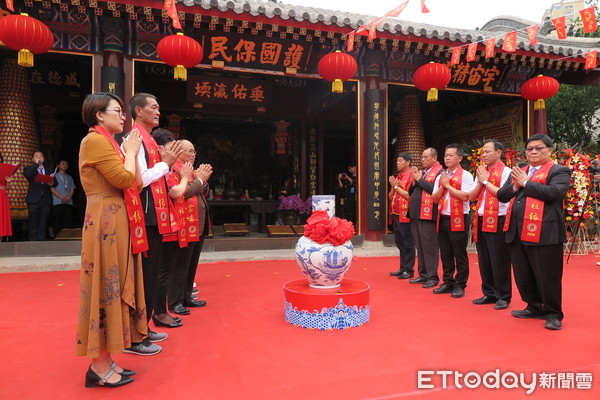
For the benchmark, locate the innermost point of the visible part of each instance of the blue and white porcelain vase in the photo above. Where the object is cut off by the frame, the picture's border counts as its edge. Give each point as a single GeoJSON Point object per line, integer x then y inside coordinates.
{"type": "Point", "coordinates": [324, 265]}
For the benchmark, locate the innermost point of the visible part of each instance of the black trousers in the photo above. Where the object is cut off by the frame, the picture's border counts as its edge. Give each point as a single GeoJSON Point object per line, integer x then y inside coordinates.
{"type": "Point", "coordinates": [150, 267]}
{"type": "Point", "coordinates": [426, 242]}
{"type": "Point", "coordinates": [404, 243]}
{"type": "Point", "coordinates": [38, 220]}
{"type": "Point", "coordinates": [453, 252]}
{"type": "Point", "coordinates": [168, 264]}
{"type": "Point", "coordinates": [181, 280]}
{"type": "Point", "coordinates": [538, 274]}
{"type": "Point", "coordinates": [61, 217]}
{"type": "Point", "coordinates": [494, 262]}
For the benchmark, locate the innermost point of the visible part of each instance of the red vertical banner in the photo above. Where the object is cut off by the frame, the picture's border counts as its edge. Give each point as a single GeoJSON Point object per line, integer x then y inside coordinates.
{"type": "Point", "coordinates": [10, 5]}
{"type": "Point", "coordinates": [560, 24]}
{"type": "Point", "coordinates": [490, 48]}
{"type": "Point", "coordinates": [588, 19]}
{"type": "Point", "coordinates": [510, 42]}
{"type": "Point", "coordinates": [455, 56]}
{"type": "Point", "coordinates": [591, 59]}
{"type": "Point", "coordinates": [424, 8]}
{"type": "Point", "coordinates": [373, 27]}
{"type": "Point", "coordinates": [171, 8]}
{"type": "Point", "coordinates": [350, 41]}
{"type": "Point", "coordinates": [471, 52]}
{"type": "Point", "coordinates": [531, 32]}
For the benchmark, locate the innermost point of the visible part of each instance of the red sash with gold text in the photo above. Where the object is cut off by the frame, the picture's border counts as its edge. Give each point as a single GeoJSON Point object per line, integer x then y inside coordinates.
{"type": "Point", "coordinates": [133, 204]}
{"type": "Point", "coordinates": [426, 200]}
{"type": "Point", "coordinates": [457, 215]}
{"type": "Point", "coordinates": [399, 203]}
{"type": "Point", "coordinates": [158, 188]}
{"type": "Point", "coordinates": [534, 208]}
{"type": "Point", "coordinates": [491, 203]}
{"type": "Point", "coordinates": [186, 210]}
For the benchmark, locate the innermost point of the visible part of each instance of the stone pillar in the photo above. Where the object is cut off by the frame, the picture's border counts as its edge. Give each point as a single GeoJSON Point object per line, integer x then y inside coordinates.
{"type": "Point", "coordinates": [410, 137]}
{"type": "Point", "coordinates": [18, 133]}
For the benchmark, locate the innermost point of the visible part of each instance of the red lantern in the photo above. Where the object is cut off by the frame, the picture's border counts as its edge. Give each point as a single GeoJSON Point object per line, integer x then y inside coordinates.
{"type": "Point", "coordinates": [539, 89]}
{"type": "Point", "coordinates": [181, 52]}
{"type": "Point", "coordinates": [337, 67]}
{"type": "Point", "coordinates": [26, 35]}
{"type": "Point", "coordinates": [431, 78]}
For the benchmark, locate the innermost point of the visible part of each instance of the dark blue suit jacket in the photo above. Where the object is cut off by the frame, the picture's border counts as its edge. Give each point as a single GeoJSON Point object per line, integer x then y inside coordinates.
{"type": "Point", "coordinates": [37, 191]}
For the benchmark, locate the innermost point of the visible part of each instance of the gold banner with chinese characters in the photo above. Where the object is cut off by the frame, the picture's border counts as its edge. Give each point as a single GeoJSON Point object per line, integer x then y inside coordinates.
{"type": "Point", "coordinates": [238, 91]}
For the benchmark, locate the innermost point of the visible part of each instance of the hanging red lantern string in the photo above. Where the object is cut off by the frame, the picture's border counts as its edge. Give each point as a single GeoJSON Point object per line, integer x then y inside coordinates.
{"type": "Point", "coordinates": [27, 35]}
{"type": "Point", "coordinates": [336, 68]}
{"type": "Point", "coordinates": [181, 52]}
{"type": "Point", "coordinates": [539, 89]}
{"type": "Point", "coordinates": [432, 77]}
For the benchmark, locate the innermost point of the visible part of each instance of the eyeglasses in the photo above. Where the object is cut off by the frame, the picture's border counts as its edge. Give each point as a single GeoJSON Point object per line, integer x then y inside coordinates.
{"type": "Point", "coordinates": [118, 111]}
{"type": "Point", "coordinates": [191, 151]}
{"type": "Point", "coordinates": [536, 148]}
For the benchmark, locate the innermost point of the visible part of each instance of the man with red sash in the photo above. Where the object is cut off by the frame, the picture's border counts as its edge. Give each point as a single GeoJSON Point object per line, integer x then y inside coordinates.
{"type": "Point", "coordinates": [451, 190]}
{"type": "Point", "coordinates": [488, 233]}
{"type": "Point", "coordinates": [192, 206]}
{"type": "Point", "coordinates": [154, 163]}
{"type": "Point", "coordinates": [399, 198]}
{"type": "Point", "coordinates": [423, 216]}
{"type": "Point", "coordinates": [535, 230]}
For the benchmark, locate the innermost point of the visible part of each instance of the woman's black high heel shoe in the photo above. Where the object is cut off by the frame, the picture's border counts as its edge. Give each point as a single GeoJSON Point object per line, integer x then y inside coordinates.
{"type": "Point", "coordinates": [126, 372]}
{"type": "Point", "coordinates": [92, 379]}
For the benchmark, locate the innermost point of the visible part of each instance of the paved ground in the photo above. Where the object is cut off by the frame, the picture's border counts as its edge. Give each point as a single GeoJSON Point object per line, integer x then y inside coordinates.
{"type": "Point", "coordinates": [65, 263]}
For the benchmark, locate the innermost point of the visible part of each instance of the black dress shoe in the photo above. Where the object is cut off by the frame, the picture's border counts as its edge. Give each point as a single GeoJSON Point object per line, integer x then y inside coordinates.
{"type": "Point", "coordinates": [527, 314]}
{"type": "Point", "coordinates": [179, 309]}
{"type": "Point", "coordinates": [485, 300]}
{"type": "Point", "coordinates": [501, 304]}
{"type": "Point", "coordinates": [396, 273]}
{"type": "Point", "coordinates": [420, 279]}
{"type": "Point", "coordinates": [457, 292]}
{"type": "Point", "coordinates": [174, 324]}
{"type": "Point", "coordinates": [445, 288]}
{"type": "Point", "coordinates": [92, 379]}
{"type": "Point", "coordinates": [429, 284]}
{"type": "Point", "coordinates": [405, 275]}
{"type": "Point", "coordinates": [553, 324]}
{"type": "Point", "coordinates": [194, 303]}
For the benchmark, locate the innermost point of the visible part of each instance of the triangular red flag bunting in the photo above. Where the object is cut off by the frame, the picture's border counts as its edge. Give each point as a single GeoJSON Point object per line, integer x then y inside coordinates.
{"type": "Point", "coordinates": [350, 41]}
{"type": "Point", "coordinates": [362, 30]}
{"type": "Point", "coordinates": [455, 56]}
{"type": "Point", "coordinates": [591, 59]}
{"type": "Point", "coordinates": [510, 42]}
{"type": "Point", "coordinates": [372, 31]}
{"type": "Point", "coordinates": [490, 47]}
{"type": "Point", "coordinates": [10, 5]}
{"type": "Point", "coordinates": [560, 24]}
{"type": "Point", "coordinates": [396, 11]}
{"type": "Point", "coordinates": [531, 32]}
{"type": "Point", "coordinates": [471, 51]}
{"type": "Point", "coordinates": [424, 8]}
{"type": "Point", "coordinates": [588, 18]}
{"type": "Point", "coordinates": [171, 8]}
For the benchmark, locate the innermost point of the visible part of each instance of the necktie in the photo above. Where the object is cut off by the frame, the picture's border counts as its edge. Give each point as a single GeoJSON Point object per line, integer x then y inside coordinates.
{"type": "Point", "coordinates": [41, 170]}
{"type": "Point", "coordinates": [532, 171]}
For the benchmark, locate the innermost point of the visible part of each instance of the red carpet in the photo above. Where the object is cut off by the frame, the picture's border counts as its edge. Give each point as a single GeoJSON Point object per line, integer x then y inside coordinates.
{"type": "Point", "coordinates": [240, 347]}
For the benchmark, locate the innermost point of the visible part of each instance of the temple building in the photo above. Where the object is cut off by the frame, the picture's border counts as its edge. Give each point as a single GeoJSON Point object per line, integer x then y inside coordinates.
{"type": "Point", "coordinates": [256, 107]}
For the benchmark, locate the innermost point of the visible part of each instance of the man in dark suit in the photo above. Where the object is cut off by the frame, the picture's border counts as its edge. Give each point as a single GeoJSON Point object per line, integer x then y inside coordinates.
{"type": "Point", "coordinates": [422, 212]}
{"type": "Point", "coordinates": [39, 197]}
{"type": "Point", "coordinates": [535, 231]}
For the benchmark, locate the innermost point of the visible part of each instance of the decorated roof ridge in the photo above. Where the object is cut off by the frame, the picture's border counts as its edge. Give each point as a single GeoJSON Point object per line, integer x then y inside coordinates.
{"type": "Point", "coordinates": [569, 47]}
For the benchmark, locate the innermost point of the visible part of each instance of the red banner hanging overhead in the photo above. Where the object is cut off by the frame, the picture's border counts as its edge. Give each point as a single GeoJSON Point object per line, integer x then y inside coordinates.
{"type": "Point", "coordinates": [169, 5]}
{"type": "Point", "coordinates": [588, 19]}
{"type": "Point", "coordinates": [471, 52]}
{"type": "Point", "coordinates": [455, 56]}
{"type": "Point", "coordinates": [591, 59]}
{"type": "Point", "coordinates": [490, 47]}
{"type": "Point", "coordinates": [350, 41]}
{"type": "Point", "coordinates": [510, 42]}
{"type": "Point", "coordinates": [532, 32]}
{"type": "Point", "coordinates": [396, 11]}
{"type": "Point", "coordinates": [560, 24]}
{"type": "Point", "coordinates": [10, 5]}
{"type": "Point", "coordinates": [424, 8]}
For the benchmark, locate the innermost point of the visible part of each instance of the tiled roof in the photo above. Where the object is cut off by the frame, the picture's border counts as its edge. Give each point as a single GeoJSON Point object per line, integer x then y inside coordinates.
{"type": "Point", "coordinates": [547, 44]}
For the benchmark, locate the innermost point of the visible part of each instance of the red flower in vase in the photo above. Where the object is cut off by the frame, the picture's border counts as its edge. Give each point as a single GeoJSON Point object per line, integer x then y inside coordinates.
{"type": "Point", "coordinates": [319, 228]}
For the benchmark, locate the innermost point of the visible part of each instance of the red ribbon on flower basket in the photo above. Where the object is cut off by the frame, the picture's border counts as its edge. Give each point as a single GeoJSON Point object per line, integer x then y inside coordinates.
{"type": "Point", "coordinates": [319, 228]}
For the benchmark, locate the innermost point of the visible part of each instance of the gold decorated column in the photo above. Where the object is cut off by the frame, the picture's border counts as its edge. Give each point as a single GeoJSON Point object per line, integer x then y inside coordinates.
{"type": "Point", "coordinates": [410, 137]}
